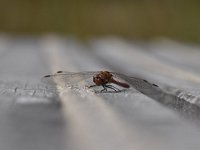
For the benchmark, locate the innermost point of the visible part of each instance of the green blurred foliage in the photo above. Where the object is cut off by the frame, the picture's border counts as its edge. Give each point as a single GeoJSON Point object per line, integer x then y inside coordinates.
{"type": "Point", "coordinates": [139, 19]}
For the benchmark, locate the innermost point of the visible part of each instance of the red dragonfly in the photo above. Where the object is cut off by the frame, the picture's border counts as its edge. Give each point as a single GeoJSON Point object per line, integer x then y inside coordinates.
{"type": "Point", "coordinates": [100, 78]}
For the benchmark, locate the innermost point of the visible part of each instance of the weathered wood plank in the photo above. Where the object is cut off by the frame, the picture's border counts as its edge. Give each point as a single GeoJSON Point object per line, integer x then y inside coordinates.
{"type": "Point", "coordinates": [39, 116]}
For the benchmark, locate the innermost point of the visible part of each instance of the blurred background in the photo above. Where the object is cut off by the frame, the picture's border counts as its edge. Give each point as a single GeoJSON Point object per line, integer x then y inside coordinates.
{"type": "Point", "coordinates": [132, 19]}
{"type": "Point", "coordinates": [155, 40]}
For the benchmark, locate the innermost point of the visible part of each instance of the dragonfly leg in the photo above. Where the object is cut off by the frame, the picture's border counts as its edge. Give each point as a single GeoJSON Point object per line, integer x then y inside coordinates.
{"type": "Point", "coordinates": [113, 88]}
{"type": "Point", "coordinates": [104, 88]}
{"type": "Point", "coordinates": [92, 86]}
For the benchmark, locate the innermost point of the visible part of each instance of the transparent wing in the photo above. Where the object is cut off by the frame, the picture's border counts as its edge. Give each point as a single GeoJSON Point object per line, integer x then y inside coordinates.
{"type": "Point", "coordinates": [122, 76]}
{"type": "Point", "coordinates": [68, 78]}
{"type": "Point", "coordinates": [64, 78]}
{"type": "Point", "coordinates": [138, 83]}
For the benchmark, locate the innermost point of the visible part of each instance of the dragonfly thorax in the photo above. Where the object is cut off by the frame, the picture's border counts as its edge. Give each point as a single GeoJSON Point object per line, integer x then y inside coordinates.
{"type": "Point", "coordinates": [103, 78]}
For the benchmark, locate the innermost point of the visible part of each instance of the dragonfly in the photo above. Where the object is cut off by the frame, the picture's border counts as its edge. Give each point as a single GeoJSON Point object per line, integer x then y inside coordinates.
{"type": "Point", "coordinates": [100, 78]}
{"type": "Point", "coordinates": [105, 79]}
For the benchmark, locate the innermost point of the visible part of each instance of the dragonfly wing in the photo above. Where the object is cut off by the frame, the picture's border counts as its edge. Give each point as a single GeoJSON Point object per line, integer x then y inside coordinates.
{"type": "Point", "coordinates": [124, 77]}
{"type": "Point", "coordinates": [81, 73]}
{"type": "Point", "coordinates": [138, 83]}
{"type": "Point", "coordinates": [65, 78]}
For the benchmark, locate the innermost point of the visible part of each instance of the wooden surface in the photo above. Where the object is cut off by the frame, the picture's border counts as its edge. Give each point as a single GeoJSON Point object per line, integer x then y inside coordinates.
{"type": "Point", "coordinates": [39, 116]}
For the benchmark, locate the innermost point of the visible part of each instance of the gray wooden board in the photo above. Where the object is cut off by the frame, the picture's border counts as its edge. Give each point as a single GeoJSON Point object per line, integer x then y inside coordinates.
{"type": "Point", "coordinates": [38, 116]}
